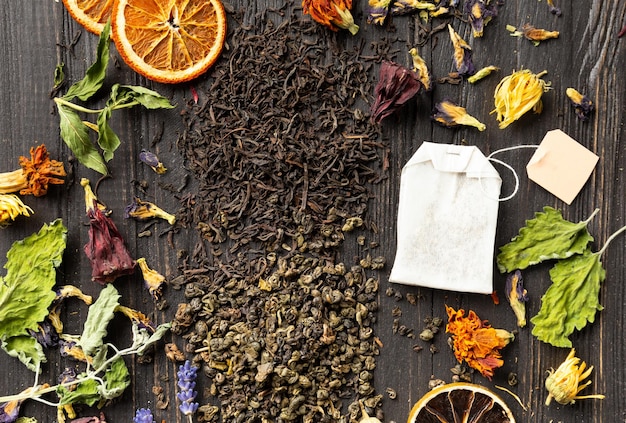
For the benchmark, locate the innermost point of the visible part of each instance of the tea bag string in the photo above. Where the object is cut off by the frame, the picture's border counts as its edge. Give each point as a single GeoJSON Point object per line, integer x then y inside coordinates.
{"type": "Point", "coordinates": [508, 166]}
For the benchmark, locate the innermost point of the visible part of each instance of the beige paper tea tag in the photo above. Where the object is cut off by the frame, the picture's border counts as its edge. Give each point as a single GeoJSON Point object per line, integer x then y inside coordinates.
{"type": "Point", "coordinates": [561, 165]}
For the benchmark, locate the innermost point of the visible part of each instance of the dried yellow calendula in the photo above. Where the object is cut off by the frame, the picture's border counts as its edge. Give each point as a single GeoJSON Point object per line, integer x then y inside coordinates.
{"type": "Point", "coordinates": [564, 383]}
{"type": "Point", "coordinates": [518, 93]}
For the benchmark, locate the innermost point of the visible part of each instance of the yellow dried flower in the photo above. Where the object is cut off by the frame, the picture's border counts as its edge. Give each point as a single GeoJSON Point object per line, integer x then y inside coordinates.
{"type": "Point", "coordinates": [518, 93]}
{"type": "Point", "coordinates": [566, 382]}
{"type": "Point", "coordinates": [10, 208]}
{"type": "Point", "coordinates": [419, 67]}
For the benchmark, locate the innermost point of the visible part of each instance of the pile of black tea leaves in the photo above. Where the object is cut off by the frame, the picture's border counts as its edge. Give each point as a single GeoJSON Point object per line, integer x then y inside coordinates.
{"type": "Point", "coordinates": [285, 157]}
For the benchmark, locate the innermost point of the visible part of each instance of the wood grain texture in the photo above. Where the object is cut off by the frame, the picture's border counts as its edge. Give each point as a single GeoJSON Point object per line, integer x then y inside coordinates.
{"type": "Point", "coordinates": [35, 36]}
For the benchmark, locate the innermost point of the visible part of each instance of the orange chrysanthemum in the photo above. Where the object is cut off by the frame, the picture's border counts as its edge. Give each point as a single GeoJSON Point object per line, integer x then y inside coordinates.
{"type": "Point", "coordinates": [333, 14]}
{"type": "Point", "coordinates": [476, 342]}
{"type": "Point", "coordinates": [35, 174]}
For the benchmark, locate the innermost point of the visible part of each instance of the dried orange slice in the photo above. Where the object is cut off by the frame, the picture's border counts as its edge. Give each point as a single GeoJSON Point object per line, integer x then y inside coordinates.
{"type": "Point", "coordinates": [169, 41]}
{"type": "Point", "coordinates": [460, 403]}
{"type": "Point", "coordinates": [91, 14]}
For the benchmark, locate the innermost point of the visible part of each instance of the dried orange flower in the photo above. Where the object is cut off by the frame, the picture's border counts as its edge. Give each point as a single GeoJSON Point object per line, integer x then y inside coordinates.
{"type": "Point", "coordinates": [333, 14]}
{"type": "Point", "coordinates": [564, 383]}
{"type": "Point", "coordinates": [518, 93]}
{"type": "Point", "coordinates": [476, 342]}
{"type": "Point", "coordinates": [531, 33]}
{"type": "Point", "coordinates": [35, 174]}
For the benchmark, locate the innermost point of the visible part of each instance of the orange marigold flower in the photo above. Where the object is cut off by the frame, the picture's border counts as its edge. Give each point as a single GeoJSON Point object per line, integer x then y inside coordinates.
{"type": "Point", "coordinates": [476, 342]}
{"type": "Point", "coordinates": [333, 14]}
{"type": "Point", "coordinates": [35, 174]}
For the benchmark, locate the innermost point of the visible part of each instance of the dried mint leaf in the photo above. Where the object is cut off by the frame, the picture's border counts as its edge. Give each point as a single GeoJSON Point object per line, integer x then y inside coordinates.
{"type": "Point", "coordinates": [26, 290]}
{"type": "Point", "coordinates": [98, 317]}
{"type": "Point", "coordinates": [547, 236]}
{"type": "Point", "coordinates": [571, 301]}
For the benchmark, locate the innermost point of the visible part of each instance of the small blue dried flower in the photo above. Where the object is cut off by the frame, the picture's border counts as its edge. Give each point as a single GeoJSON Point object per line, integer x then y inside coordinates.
{"type": "Point", "coordinates": [153, 161]}
{"type": "Point", "coordinates": [186, 383]}
{"type": "Point", "coordinates": [143, 415]}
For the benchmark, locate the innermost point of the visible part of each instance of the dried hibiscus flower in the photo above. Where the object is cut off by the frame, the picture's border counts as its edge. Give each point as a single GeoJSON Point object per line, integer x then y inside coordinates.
{"type": "Point", "coordinates": [582, 104]}
{"type": "Point", "coordinates": [106, 249]}
{"type": "Point", "coordinates": [396, 86]}
{"type": "Point", "coordinates": [333, 14]}
{"type": "Point", "coordinates": [564, 383]}
{"type": "Point", "coordinates": [448, 114]}
{"type": "Point", "coordinates": [35, 174]}
{"type": "Point", "coordinates": [462, 54]}
{"type": "Point", "coordinates": [476, 342]}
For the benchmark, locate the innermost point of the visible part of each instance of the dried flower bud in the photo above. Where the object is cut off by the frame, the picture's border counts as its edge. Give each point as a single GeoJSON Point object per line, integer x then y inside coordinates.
{"type": "Point", "coordinates": [152, 279]}
{"type": "Point", "coordinates": [377, 11]}
{"type": "Point", "coordinates": [153, 161]}
{"type": "Point", "coordinates": [404, 7]}
{"type": "Point", "coordinates": [482, 73]}
{"type": "Point", "coordinates": [479, 13]}
{"type": "Point", "coordinates": [187, 374]}
{"type": "Point", "coordinates": [143, 415]}
{"type": "Point", "coordinates": [106, 249]}
{"type": "Point", "coordinates": [564, 383]}
{"type": "Point", "coordinates": [450, 115]}
{"type": "Point", "coordinates": [146, 210]}
{"type": "Point", "coordinates": [516, 294]}
{"type": "Point", "coordinates": [582, 104]}
{"type": "Point", "coordinates": [531, 33]}
{"type": "Point", "coordinates": [396, 86]}
{"type": "Point", "coordinates": [333, 14]}
{"type": "Point", "coordinates": [462, 54]}
{"type": "Point", "coordinates": [35, 174]}
{"type": "Point", "coordinates": [419, 67]}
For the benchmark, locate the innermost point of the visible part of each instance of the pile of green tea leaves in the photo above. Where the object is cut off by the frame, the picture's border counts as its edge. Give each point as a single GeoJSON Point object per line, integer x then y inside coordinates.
{"type": "Point", "coordinates": [572, 300]}
{"type": "Point", "coordinates": [28, 302]}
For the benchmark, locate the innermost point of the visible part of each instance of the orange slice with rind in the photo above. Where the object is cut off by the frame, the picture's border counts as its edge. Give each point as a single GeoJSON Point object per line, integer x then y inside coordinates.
{"type": "Point", "coordinates": [91, 14]}
{"type": "Point", "coordinates": [458, 403]}
{"type": "Point", "coordinates": [169, 41]}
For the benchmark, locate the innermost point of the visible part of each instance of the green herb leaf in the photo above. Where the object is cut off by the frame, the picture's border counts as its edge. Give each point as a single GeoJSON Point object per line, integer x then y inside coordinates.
{"type": "Point", "coordinates": [142, 339]}
{"type": "Point", "coordinates": [85, 392]}
{"type": "Point", "coordinates": [147, 98]}
{"type": "Point", "coordinates": [571, 301]}
{"type": "Point", "coordinates": [116, 379]}
{"type": "Point", "coordinates": [26, 290]}
{"type": "Point", "coordinates": [94, 77]}
{"type": "Point", "coordinates": [26, 349]}
{"type": "Point", "coordinates": [100, 313]}
{"type": "Point", "coordinates": [107, 138]}
{"type": "Point", "coordinates": [59, 75]}
{"type": "Point", "coordinates": [76, 135]}
{"type": "Point", "coordinates": [547, 236]}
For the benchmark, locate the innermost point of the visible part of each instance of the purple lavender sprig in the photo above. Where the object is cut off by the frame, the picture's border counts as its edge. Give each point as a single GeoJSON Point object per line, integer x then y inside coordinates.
{"type": "Point", "coordinates": [143, 415]}
{"type": "Point", "coordinates": [186, 383]}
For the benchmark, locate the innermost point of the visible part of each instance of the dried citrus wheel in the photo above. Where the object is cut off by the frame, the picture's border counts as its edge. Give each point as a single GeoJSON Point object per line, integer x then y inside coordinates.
{"type": "Point", "coordinates": [91, 14]}
{"type": "Point", "coordinates": [169, 41]}
{"type": "Point", "coordinates": [460, 403]}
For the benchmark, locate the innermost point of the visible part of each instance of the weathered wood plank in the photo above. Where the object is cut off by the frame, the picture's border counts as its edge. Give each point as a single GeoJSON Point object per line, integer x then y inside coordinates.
{"type": "Point", "coordinates": [36, 36]}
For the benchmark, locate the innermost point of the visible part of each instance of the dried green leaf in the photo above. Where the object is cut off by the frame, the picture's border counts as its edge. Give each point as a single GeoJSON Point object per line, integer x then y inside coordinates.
{"type": "Point", "coordinates": [26, 290]}
{"type": "Point", "coordinates": [75, 134]}
{"type": "Point", "coordinates": [547, 236]}
{"type": "Point", "coordinates": [94, 77]}
{"type": "Point", "coordinates": [107, 138]}
{"type": "Point", "coordinates": [571, 301]}
{"type": "Point", "coordinates": [100, 313]}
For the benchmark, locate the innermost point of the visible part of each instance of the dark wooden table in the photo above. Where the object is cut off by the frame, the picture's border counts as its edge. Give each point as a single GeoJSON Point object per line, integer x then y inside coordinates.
{"type": "Point", "coordinates": [36, 36]}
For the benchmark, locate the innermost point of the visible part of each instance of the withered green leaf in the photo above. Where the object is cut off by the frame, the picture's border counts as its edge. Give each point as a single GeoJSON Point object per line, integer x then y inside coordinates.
{"type": "Point", "coordinates": [547, 236]}
{"type": "Point", "coordinates": [571, 301]}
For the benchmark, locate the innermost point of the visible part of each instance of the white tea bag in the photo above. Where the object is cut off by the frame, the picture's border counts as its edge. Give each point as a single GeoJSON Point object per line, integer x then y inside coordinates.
{"type": "Point", "coordinates": [447, 216]}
